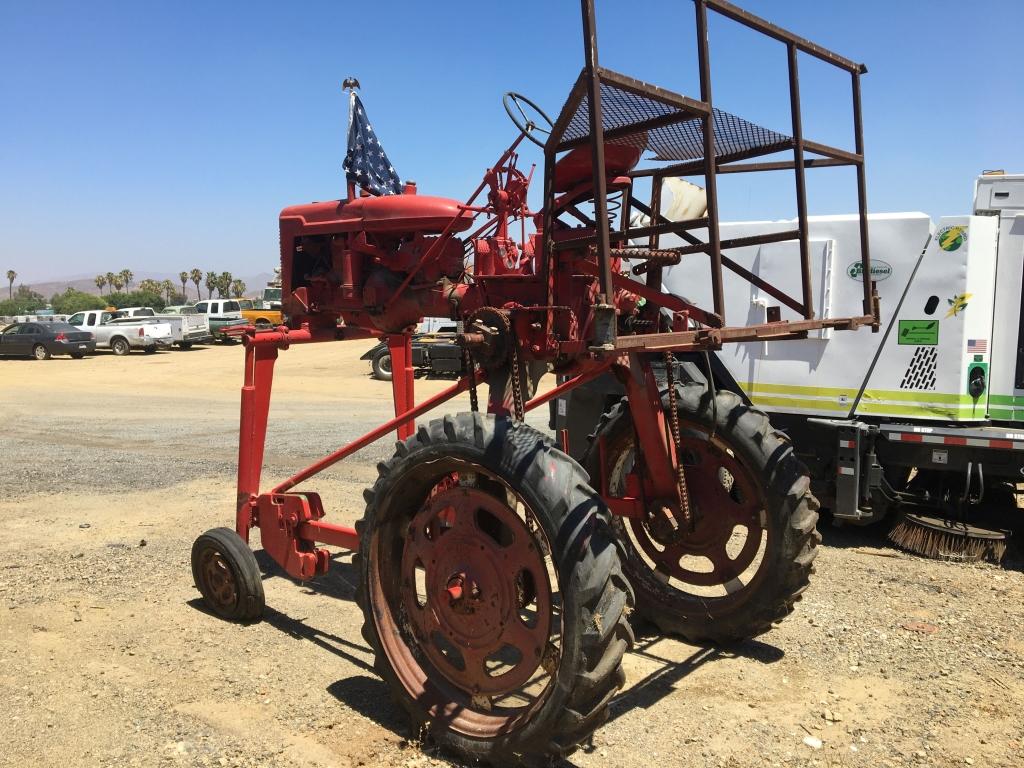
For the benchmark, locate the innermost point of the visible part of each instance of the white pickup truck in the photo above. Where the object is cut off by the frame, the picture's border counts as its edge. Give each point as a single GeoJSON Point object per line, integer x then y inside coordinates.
{"type": "Point", "coordinates": [122, 338]}
{"type": "Point", "coordinates": [187, 327]}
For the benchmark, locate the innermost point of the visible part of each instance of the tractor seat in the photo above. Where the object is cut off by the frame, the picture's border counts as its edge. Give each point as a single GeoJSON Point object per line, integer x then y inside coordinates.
{"type": "Point", "coordinates": [576, 167]}
{"type": "Point", "coordinates": [413, 213]}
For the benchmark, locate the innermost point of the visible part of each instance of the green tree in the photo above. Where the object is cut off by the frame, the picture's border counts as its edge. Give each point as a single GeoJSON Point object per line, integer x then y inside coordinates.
{"type": "Point", "coordinates": [110, 280]}
{"type": "Point", "coordinates": [126, 277]}
{"type": "Point", "coordinates": [237, 288]}
{"type": "Point", "coordinates": [196, 276]}
{"type": "Point", "coordinates": [11, 275]}
{"type": "Point", "coordinates": [72, 301]}
{"type": "Point", "coordinates": [118, 283]}
{"type": "Point", "coordinates": [139, 298]}
{"type": "Point", "coordinates": [211, 283]}
{"type": "Point", "coordinates": [148, 285]}
{"type": "Point", "coordinates": [168, 289]}
{"type": "Point", "coordinates": [183, 276]}
{"type": "Point", "coordinates": [100, 281]}
{"type": "Point", "coordinates": [24, 301]}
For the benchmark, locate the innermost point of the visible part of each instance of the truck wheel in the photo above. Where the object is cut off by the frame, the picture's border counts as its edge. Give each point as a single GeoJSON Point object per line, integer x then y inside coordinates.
{"type": "Point", "coordinates": [39, 352]}
{"type": "Point", "coordinates": [381, 365]}
{"type": "Point", "coordinates": [148, 350]}
{"type": "Point", "coordinates": [185, 345]}
{"type": "Point", "coordinates": [263, 324]}
{"type": "Point", "coordinates": [226, 573]}
{"type": "Point", "coordinates": [77, 355]}
{"type": "Point", "coordinates": [749, 556]}
{"type": "Point", "coordinates": [492, 592]}
{"type": "Point", "coordinates": [120, 347]}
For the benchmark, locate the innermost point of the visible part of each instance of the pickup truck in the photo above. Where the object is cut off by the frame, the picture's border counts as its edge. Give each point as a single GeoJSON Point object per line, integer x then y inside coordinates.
{"type": "Point", "coordinates": [261, 318]}
{"type": "Point", "coordinates": [186, 330]}
{"type": "Point", "coordinates": [122, 338]}
{"type": "Point", "coordinates": [221, 314]}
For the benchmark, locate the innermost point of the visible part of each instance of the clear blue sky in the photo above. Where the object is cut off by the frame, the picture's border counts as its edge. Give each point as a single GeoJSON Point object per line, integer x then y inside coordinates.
{"type": "Point", "coordinates": [166, 135]}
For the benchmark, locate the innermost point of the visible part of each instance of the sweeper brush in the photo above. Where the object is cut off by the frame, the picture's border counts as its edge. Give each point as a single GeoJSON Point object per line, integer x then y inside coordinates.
{"type": "Point", "coordinates": [943, 539]}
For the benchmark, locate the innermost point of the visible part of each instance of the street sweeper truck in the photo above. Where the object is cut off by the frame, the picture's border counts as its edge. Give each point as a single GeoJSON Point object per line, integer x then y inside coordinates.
{"type": "Point", "coordinates": [920, 423]}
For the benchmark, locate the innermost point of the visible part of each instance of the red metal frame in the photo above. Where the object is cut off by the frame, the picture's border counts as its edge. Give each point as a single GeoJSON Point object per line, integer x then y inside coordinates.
{"type": "Point", "coordinates": [373, 266]}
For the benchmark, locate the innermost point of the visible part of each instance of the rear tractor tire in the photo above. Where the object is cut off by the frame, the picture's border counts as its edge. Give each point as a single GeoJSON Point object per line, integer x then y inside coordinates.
{"type": "Point", "coordinates": [491, 591]}
{"type": "Point", "coordinates": [748, 556]}
{"type": "Point", "coordinates": [227, 574]}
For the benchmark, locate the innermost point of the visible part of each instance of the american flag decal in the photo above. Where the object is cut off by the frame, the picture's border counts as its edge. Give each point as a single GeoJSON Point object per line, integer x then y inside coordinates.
{"type": "Point", "coordinates": [977, 346]}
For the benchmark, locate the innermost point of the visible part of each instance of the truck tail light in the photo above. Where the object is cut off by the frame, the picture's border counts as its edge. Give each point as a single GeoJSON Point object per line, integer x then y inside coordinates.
{"type": "Point", "coordinates": [142, 331]}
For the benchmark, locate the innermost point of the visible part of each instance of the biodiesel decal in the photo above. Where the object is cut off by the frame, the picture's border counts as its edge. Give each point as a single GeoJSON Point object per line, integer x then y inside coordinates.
{"type": "Point", "coordinates": [951, 238]}
{"type": "Point", "coordinates": [880, 270]}
{"type": "Point", "coordinates": [957, 304]}
{"type": "Point", "coordinates": [919, 332]}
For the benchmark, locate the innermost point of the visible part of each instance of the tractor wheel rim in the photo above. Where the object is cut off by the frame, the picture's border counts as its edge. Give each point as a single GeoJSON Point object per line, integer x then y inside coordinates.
{"type": "Point", "coordinates": [385, 363]}
{"type": "Point", "coordinates": [479, 568]}
{"type": "Point", "coordinates": [730, 528]}
{"type": "Point", "coordinates": [219, 578]}
{"type": "Point", "coordinates": [470, 633]}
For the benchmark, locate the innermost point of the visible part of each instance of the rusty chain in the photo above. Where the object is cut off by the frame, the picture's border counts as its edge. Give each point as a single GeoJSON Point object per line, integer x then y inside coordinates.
{"type": "Point", "coordinates": [673, 420]}
{"type": "Point", "coordinates": [470, 367]}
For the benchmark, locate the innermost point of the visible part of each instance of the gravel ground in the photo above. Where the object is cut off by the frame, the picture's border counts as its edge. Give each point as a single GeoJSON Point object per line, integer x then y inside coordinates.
{"type": "Point", "coordinates": [112, 466]}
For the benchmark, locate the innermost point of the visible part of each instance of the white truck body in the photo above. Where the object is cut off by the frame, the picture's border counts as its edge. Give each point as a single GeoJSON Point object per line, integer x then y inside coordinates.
{"type": "Point", "coordinates": [943, 329]}
{"type": "Point", "coordinates": [125, 336]}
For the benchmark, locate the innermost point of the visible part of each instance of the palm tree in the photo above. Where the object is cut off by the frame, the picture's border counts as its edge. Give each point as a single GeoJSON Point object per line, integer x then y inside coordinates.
{"type": "Point", "coordinates": [117, 282]}
{"type": "Point", "coordinates": [168, 287]}
{"type": "Point", "coordinates": [126, 277]}
{"type": "Point", "coordinates": [11, 275]}
{"type": "Point", "coordinates": [196, 276]}
{"type": "Point", "coordinates": [237, 288]}
{"type": "Point", "coordinates": [100, 280]}
{"type": "Point", "coordinates": [110, 280]}
{"type": "Point", "coordinates": [183, 276]}
{"type": "Point", "coordinates": [224, 285]}
{"type": "Point", "coordinates": [211, 283]}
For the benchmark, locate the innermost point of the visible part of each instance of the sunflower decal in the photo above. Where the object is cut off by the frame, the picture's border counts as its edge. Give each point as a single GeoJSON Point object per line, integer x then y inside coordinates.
{"type": "Point", "coordinates": [958, 304]}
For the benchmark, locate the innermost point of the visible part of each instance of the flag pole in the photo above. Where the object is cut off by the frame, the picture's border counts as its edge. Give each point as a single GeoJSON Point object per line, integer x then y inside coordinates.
{"type": "Point", "coordinates": [350, 84]}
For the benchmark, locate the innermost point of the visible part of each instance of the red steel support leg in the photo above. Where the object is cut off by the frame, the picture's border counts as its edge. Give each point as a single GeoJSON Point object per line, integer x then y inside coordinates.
{"type": "Point", "coordinates": [402, 380]}
{"type": "Point", "coordinates": [252, 433]}
{"type": "Point", "coordinates": [649, 421]}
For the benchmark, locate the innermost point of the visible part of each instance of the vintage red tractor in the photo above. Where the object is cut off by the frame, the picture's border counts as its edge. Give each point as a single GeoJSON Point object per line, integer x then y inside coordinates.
{"type": "Point", "coordinates": [497, 574]}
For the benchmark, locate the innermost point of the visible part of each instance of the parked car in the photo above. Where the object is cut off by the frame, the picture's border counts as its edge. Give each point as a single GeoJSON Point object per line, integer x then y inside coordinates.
{"type": "Point", "coordinates": [123, 337]}
{"type": "Point", "coordinates": [43, 340]}
{"type": "Point", "coordinates": [433, 350]}
{"type": "Point", "coordinates": [221, 314]}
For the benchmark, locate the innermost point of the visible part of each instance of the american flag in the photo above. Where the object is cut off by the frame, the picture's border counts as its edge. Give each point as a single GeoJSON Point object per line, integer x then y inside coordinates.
{"type": "Point", "coordinates": [977, 346]}
{"type": "Point", "coordinates": [366, 165]}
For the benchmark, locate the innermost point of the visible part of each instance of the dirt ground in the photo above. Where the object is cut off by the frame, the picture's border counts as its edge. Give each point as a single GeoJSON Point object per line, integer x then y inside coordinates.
{"type": "Point", "coordinates": [110, 467]}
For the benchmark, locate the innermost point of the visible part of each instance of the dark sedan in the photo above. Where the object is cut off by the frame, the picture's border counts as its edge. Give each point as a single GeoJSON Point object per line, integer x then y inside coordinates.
{"type": "Point", "coordinates": [43, 340]}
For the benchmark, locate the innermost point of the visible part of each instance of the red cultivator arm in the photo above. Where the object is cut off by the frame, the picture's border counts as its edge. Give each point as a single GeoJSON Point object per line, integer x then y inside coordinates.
{"type": "Point", "coordinates": [479, 527]}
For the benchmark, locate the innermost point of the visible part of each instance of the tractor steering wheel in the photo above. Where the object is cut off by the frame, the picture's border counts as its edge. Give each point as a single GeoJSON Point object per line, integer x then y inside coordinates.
{"type": "Point", "coordinates": [525, 124]}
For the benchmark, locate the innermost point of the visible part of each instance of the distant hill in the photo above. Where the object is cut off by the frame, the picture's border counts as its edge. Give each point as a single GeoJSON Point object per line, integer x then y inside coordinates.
{"type": "Point", "coordinates": [253, 283]}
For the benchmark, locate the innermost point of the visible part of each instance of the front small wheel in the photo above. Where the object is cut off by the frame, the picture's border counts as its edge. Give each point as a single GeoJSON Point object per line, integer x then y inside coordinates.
{"type": "Point", "coordinates": [39, 352]}
{"type": "Point", "coordinates": [226, 573]}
